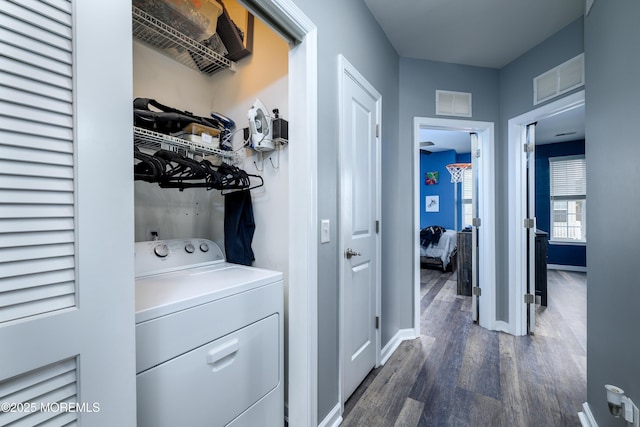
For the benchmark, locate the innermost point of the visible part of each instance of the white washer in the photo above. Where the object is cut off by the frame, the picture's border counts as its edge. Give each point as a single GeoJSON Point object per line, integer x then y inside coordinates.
{"type": "Point", "coordinates": [209, 338]}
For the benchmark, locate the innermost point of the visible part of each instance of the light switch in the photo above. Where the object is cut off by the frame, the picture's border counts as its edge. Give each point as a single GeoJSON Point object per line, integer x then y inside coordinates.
{"type": "Point", "coordinates": [324, 231]}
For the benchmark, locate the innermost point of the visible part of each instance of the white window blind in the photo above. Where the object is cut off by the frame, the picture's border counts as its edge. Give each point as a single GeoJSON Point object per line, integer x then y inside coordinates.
{"type": "Point", "coordinates": [37, 199]}
{"type": "Point", "coordinates": [568, 177]}
{"type": "Point", "coordinates": [568, 189]}
{"type": "Point", "coordinates": [467, 189]}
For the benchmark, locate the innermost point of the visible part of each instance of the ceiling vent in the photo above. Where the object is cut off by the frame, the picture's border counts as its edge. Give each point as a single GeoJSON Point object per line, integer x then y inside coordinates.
{"type": "Point", "coordinates": [450, 103]}
{"type": "Point", "coordinates": [561, 79]}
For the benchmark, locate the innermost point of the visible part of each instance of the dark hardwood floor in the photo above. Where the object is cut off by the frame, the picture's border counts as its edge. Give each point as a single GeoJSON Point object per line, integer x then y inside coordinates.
{"type": "Point", "coordinates": [459, 374]}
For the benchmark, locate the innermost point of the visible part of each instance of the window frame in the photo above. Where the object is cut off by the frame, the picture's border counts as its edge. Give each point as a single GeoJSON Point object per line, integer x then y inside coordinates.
{"type": "Point", "coordinates": [567, 198]}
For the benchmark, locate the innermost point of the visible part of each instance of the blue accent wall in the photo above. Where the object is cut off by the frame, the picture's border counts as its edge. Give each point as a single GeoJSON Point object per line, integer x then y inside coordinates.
{"type": "Point", "coordinates": [562, 254]}
{"type": "Point", "coordinates": [437, 161]}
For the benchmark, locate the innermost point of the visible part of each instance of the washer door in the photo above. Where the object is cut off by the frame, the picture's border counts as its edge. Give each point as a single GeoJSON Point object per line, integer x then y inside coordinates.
{"type": "Point", "coordinates": [214, 383]}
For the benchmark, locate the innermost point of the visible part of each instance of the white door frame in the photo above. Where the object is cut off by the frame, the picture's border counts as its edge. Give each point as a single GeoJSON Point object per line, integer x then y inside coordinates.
{"type": "Point", "coordinates": [486, 211]}
{"type": "Point", "coordinates": [517, 205]}
{"type": "Point", "coordinates": [346, 69]}
{"type": "Point", "coordinates": [301, 317]}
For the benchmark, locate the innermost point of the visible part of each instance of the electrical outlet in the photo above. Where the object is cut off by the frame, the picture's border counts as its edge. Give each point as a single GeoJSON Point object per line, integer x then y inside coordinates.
{"type": "Point", "coordinates": [152, 232]}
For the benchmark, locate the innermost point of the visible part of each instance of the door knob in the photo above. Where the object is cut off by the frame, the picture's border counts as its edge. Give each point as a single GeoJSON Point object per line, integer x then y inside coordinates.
{"type": "Point", "coordinates": [350, 252]}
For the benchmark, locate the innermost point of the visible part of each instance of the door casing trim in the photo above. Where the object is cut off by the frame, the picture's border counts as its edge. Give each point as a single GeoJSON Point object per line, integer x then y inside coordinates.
{"type": "Point", "coordinates": [486, 210]}
{"type": "Point", "coordinates": [517, 324]}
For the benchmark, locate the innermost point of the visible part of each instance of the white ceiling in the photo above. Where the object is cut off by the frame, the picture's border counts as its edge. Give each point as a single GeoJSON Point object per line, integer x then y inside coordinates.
{"type": "Point", "coordinates": [484, 33]}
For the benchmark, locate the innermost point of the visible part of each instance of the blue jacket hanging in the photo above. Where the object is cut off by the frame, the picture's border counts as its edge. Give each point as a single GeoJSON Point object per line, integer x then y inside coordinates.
{"type": "Point", "coordinates": [239, 227]}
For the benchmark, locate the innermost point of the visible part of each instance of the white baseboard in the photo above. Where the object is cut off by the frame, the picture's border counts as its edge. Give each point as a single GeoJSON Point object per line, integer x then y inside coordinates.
{"type": "Point", "coordinates": [567, 267]}
{"type": "Point", "coordinates": [586, 416]}
{"type": "Point", "coordinates": [333, 418]}
{"type": "Point", "coordinates": [392, 345]}
{"type": "Point", "coordinates": [502, 326]}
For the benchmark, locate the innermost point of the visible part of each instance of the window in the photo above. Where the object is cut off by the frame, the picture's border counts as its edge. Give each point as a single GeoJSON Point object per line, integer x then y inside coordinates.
{"type": "Point", "coordinates": [467, 211]}
{"type": "Point", "coordinates": [568, 189]}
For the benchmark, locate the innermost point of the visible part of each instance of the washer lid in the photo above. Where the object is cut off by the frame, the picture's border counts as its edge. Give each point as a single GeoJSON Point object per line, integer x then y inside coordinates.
{"type": "Point", "coordinates": [162, 294]}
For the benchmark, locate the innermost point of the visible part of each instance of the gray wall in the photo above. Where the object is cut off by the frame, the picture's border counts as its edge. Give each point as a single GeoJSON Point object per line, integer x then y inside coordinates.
{"type": "Point", "coordinates": [419, 81]}
{"type": "Point", "coordinates": [612, 38]}
{"type": "Point", "coordinates": [516, 98]}
{"type": "Point", "coordinates": [348, 28]}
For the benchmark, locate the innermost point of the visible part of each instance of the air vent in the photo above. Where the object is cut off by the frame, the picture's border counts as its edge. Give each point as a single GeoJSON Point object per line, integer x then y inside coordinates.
{"type": "Point", "coordinates": [450, 103]}
{"type": "Point", "coordinates": [561, 79]}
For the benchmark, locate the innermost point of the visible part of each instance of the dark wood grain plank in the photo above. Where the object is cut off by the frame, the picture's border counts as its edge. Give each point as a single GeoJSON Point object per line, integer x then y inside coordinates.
{"type": "Point", "coordinates": [459, 374]}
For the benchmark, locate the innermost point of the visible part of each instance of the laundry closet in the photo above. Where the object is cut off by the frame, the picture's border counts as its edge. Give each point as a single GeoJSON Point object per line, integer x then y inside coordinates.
{"type": "Point", "coordinates": [196, 212]}
{"type": "Point", "coordinates": [220, 350]}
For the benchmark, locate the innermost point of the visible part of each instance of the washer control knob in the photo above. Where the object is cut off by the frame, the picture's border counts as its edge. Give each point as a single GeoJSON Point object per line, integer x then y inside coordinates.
{"type": "Point", "coordinates": [161, 250]}
{"type": "Point", "coordinates": [190, 248]}
{"type": "Point", "coordinates": [204, 247]}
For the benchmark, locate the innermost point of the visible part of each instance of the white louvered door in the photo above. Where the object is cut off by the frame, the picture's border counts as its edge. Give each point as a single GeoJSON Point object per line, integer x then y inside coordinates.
{"type": "Point", "coordinates": [67, 350]}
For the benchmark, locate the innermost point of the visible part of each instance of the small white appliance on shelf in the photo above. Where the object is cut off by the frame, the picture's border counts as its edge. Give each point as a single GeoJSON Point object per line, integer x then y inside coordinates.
{"type": "Point", "coordinates": [260, 127]}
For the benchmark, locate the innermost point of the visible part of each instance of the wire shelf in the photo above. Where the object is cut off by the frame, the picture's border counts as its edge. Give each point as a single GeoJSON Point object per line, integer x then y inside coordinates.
{"type": "Point", "coordinates": [153, 141]}
{"type": "Point", "coordinates": [176, 45]}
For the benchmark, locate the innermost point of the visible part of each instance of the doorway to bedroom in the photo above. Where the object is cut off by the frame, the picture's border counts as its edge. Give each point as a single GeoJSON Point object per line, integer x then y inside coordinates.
{"type": "Point", "coordinates": [452, 219]}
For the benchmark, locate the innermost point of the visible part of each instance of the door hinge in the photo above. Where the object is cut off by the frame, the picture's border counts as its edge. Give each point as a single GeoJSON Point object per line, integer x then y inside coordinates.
{"type": "Point", "coordinates": [476, 154]}
{"type": "Point", "coordinates": [476, 222]}
{"type": "Point", "coordinates": [377, 130]}
{"type": "Point", "coordinates": [529, 299]}
{"type": "Point", "coordinates": [377, 322]}
{"type": "Point", "coordinates": [529, 222]}
{"type": "Point", "coordinates": [476, 291]}
{"type": "Point", "coordinates": [528, 148]}
{"type": "Point", "coordinates": [377, 226]}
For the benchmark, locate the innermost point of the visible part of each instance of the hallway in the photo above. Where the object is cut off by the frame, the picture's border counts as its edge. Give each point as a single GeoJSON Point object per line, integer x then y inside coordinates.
{"type": "Point", "coordinates": [459, 374]}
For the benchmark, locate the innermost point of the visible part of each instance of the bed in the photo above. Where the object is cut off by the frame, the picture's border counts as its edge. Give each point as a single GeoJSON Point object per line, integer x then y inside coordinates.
{"type": "Point", "coordinates": [441, 254]}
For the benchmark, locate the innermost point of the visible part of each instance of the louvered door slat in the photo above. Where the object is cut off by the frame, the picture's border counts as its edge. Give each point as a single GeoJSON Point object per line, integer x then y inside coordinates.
{"type": "Point", "coordinates": [11, 240]}
{"type": "Point", "coordinates": [35, 280]}
{"type": "Point", "coordinates": [35, 183]}
{"type": "Point", "coordinates": [36, 252]}
{"type": "Point", "coordinates": [42, 387]}
{"type": "Point", "coordinates": [63, 5]}
{"type": "Point", "coordinates": [46, 11]}
{"type": "Point", "coordinates": [34, 59]}
{"type": "Point", "coordinates": [37, 100]}
{"type": "Point", "coordinates": [29, 86]}
{"type": "Point", "coordinates": [36, 266]}
{"type": "Point", "coordinates": [21, 112]}
{"type": "Point", "coordinates": [36, 19]}
{"type": "Point", "coordinates": [37, 142]}
{"type": "Point", "coordinates": [25, 28]}
{"type": "Point", "coordinates": [26, 154]}
{"type": "Point", "coordinates": [36, 46]}
{"type": "Point", "coordinates": [33, 308]}
{"type": "Point", "coordinates": [36, 211]}
{"type": "Point", "coordinates": [31, 225]}
{"type": "Point", "coordinates": [36, 129]}
{"type": "Point", "coordinates": [34, 294]}
{"type": "Point", "coordinates": [36, 377]}
{"type": "Point", "coordinates": [37, 74]}
{"type": "Point", "coordinates": [36, 170]}
{"type": "Point", "coordinates": [34, 197]}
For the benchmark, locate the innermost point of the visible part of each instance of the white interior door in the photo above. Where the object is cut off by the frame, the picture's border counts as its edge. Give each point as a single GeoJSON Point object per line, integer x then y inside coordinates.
{"type": "Point", "coordinates": [530, 225]}
{"type": "Point", "coordinates": [66, 214]}
{"type": "Point", "coordinates": [359, 205]}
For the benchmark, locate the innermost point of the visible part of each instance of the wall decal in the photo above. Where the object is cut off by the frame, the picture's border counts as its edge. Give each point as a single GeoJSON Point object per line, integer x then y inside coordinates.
{"type": "Point", "coordinates": [431, 178]}
{"type": "Point", "coordinates": [432, 204]}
